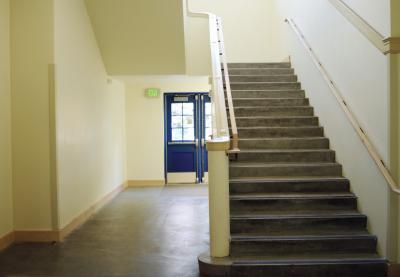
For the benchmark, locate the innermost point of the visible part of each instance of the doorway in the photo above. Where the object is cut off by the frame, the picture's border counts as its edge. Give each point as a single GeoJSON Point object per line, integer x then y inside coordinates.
{"type": "Point", "coordinates": [188, 124]}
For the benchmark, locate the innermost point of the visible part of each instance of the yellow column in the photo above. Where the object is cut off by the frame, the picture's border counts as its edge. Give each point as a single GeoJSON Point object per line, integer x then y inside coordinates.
{"type": "Point", "coordinates": [218, 170]}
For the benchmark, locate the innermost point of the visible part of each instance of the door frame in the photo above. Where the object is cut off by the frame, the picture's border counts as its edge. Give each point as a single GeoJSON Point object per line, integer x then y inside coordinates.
{"type": "Point", "coordinates": [165, 95]}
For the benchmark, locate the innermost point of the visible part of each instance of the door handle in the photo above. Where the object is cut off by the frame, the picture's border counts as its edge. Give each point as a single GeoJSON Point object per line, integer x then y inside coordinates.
{"type": "Point", "coordinates": [182, 143]}
{"type": "Point", "coordinates": [197, 142]}
{"type": "Point", "coordinates": [203, 142]}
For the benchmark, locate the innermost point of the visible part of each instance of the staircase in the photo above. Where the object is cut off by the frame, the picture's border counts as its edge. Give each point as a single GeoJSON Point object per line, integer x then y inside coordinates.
{"type": "Point", "coordinates": [292, 212]}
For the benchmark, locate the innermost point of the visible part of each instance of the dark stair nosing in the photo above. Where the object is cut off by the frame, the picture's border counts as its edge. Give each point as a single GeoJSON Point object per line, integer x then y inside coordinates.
{"type": "Point", "coordinates": [291, 196]}
{"type": "Point", "coordinates": [298, 216]}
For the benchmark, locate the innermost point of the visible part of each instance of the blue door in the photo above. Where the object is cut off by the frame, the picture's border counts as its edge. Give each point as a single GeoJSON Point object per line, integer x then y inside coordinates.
{"type": "Point", "coordinates": [187, 124]}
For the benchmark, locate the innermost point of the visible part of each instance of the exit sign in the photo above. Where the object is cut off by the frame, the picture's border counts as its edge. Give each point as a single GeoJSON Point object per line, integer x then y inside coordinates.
{"type": "Point", "coordinates": [152, 92]}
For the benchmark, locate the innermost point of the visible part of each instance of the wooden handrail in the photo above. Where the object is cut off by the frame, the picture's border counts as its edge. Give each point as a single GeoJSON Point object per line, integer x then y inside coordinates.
{"type": "Point", "coordinates": [343, 104]}
{"type": "Point", "coordinates": [235, 135]}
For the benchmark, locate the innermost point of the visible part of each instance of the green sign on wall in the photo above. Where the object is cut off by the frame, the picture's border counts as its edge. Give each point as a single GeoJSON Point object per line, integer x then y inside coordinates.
{"type": "Point", "coordinates": [152, 92]}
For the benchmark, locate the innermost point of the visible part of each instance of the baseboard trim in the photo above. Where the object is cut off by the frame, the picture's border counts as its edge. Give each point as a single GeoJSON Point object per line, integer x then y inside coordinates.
{"type": "Point", "coordinates": [146, 183]}
{"type": "Point", "coordinates": [394, 270]}
{"type": "Point", "coordinates": [36, 236]}
{"type": "Point", "coordinates": [60, 235]}
{"type": "Point", "coordinates": [7, 240]}
{"type": "Point", "coordinates": [84, 216]}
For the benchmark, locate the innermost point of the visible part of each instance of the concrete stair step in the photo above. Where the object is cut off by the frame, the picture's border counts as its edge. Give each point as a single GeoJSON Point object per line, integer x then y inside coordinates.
{"type": "Point", "coordinates": [294, 184]}
{"type": "Point", "coordinates": [273, 111]}
{"type": "Point", "coordinates": [268, 245]}
{"type": "Point", "coordinates": [259, 65]}
{"type": "Point", "coordinates": [276, 121]}
{"type": "Point", "coordinates": [310, 265]}
{"type": "Point", "coordinates": [243, 102]}
{"type": "Point", "coordinates": [284, 143]}
{"type": "Point", "coordinates": [256, 203]}
{"type": "Point", "coordinates": [237, 169]}
{"type": "Point", "coordinates": [275, 132]}
{"type": "Point", "coordinates": [265, 85]}
{"type": "Point", "coordinates": [305, 223]}
{"type": "Point", "coordinates": [268, 94]}
{"type": "Point", "coordinates": [263, 78]}
{"type": "Point", "coordinates": [281, 156]}
{"type": "Point", "coordinates": [260, 71]}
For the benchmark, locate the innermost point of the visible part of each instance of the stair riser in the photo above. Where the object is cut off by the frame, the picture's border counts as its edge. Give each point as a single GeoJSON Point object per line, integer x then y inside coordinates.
{"type": "Point", "coordinates": [254, 248]}
{"type": "Point", "coordinates": [293, 157]}
{"type": "Point", "coordinates": [321, 270]}
{"type": "Point", "coordinates": [270, 102]}
{"type": "Point", "coordinates": [297, 225]}
{"type": "Point", "coordinates": [290, 187]}
{"type": "Point", "coordinates": [258, 65]}
{"type": "Point", "coordinates": [264, 86]}
{"type": "Point", "coordinates": [281, 132]}
{"type": "Point", "coordinates": [276, 122]}
{"type": "Point", "coordinates": [261, 71]}
{"type": "Point", "coordinates": [315, 170]}
{"type": "Point", "coordinates": [274, 111]}
{"type": "Point", "coordinates": [259, 78]}
{"type": "Point", "coordinates": [277, 205]}
{"type": "Point", "coordinates": [306, 143]}
{"type": "Point", "coordinates": [267, 94]}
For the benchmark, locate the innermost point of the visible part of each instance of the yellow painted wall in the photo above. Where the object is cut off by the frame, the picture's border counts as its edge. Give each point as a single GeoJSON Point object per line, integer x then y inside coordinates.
{"type": "Point", "coordinates": [139, 37]}
{"type": "Point", "coordinates": [145, 122]}
{"type": "Point", "coordinates": [90, 115]}
{"type": "Point", "coordinates": [31, 53]}
{"type": "Point", "coordinates": [6, 209]}
{"type": "Point", "coordinates": [375, 13]}
{"type": "Point", "coordinates": [252, 32]}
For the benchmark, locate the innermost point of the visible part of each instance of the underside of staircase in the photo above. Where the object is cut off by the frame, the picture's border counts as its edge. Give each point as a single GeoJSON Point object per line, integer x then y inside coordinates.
{"type": "Point", "coordinates": [291, 211]}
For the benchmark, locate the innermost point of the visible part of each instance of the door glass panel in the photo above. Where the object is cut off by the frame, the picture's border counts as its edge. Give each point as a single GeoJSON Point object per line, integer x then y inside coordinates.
{"type": "Point", "coordinates": [176, 109]}
{"type": "Point", "coordinates": [176, 122]}
{"type": "Point", "coordinates": [188, 108]}
{"type": "Point", "coordinates": [208, 108]}
{"type": "Point", "coordinates": [208, 121]}
{"type": "Point", "coordinates": [177, 134]}
{"type": "Point", "coordinates": [188, 134]}
{"type": "Point", "coordinates": [188, 122]}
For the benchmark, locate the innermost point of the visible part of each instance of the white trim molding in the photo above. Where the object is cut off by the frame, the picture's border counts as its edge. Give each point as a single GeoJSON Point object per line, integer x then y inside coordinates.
{"type": "Point", "coordinates": [389, 45]}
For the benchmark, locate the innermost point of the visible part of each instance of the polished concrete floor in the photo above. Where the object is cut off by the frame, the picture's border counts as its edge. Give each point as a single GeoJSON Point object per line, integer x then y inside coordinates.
{"type": "Point", "coordinates": [152, 232]}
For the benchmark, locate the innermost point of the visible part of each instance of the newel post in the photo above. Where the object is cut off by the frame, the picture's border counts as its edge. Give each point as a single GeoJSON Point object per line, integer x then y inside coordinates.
{"type": "Point", "coordinates": [218, 170]}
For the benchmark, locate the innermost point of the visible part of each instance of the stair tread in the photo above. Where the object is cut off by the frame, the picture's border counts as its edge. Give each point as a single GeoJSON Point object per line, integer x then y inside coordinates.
{"type": "Point", "coordinates": [265, 75]}
{"type": "Point", "coordinates": [329, 214]}
{"type": "Point", "coordinates": [255, 164]}
{"type": "Point", "coordinates": [354, 235]}
{"type": "Point", "coordinates": [277, 128]}
{"type": "Point", "coordinates": [263, 98]}
{"type": "Point", "coordinates": [282, 138]}
{"type": "Point", "coordinates": [307, 258]}
{"type": "Point", "coordinates": [286, 179]}
{"type": "Point", "coordinates": [276, 117]}
{"type": "Point", "coordinates": [273, 107]}
{"type": "Point", "coordinates": [270, 90]}
{"type": "Point", "coordinates": [264, 82]}
{"type": "Point", "coordinates": [284, 150]}
{"type": "Point", "coordinates": [261, 196]}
